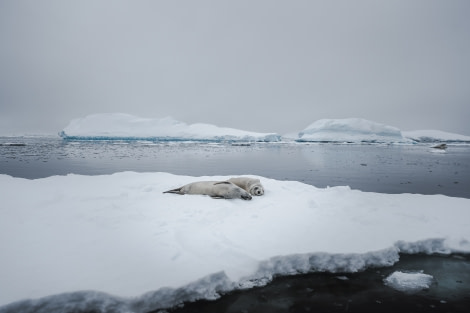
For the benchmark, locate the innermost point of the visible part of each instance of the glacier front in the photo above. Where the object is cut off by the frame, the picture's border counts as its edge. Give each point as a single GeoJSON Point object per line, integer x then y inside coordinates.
{"type": "Point", "coordinates": [120, 126]}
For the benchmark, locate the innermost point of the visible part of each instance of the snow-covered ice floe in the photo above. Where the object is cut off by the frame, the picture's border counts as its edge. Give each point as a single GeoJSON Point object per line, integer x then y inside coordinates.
{"type": "Point", "coordinates": [435, 136]}
{"type": "Point", "coordinates": [351, 130]}
{"type": "Point", "coordinates": [119, 126]}
{"type": "Point", "coordinates": [117, 243]}
{"type": "Point", "coordinates": [409, 282]}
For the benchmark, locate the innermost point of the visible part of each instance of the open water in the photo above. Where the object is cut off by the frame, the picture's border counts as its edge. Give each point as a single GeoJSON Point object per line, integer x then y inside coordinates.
{"type": "Point", "coordinates": [375, 168]}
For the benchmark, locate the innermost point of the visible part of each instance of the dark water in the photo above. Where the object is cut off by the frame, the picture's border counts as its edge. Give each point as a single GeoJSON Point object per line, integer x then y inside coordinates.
{"type": "Point", "coordinates": [375, 168]}
{"type": "Point", "coordinates": [357, 292]}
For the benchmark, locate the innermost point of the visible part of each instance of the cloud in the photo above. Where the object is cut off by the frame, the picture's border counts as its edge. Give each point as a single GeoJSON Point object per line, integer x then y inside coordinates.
{"type": "Point", "coordinates": [256, 65]}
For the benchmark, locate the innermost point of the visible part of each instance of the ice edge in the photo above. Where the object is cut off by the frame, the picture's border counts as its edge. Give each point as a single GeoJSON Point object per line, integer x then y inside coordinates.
{"type": "Point", "coordinates": [212, 286]}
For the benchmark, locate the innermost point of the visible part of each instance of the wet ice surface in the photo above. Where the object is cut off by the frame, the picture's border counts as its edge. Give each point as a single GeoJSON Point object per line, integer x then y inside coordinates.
{"type": "Point", "coordinates": [376, 168]}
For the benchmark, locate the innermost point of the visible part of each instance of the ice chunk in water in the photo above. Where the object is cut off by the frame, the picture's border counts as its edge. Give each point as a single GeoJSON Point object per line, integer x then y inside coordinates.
{"type": "Point", "coordinates": [409, 282]}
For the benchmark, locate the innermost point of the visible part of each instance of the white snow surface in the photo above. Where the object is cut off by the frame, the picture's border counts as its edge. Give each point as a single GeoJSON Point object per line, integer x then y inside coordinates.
{"type": "Point", "coordinates": [351, 130]}
{"type": "Point", "coordinates": [434, 136]}
{"type": "Point", "coordinates": [117, 242]}
{"type": "Point", "coordinates": [125, 126]}
{"type": "Point", "coordinates": [409, 282]}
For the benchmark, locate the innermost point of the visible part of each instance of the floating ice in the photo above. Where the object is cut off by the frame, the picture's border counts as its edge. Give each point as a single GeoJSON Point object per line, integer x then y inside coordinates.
{"type": "Point", "coordinates": [409, 282]}
{"type": "Point", "coordinates": [435, 136]}
{"type": "Point", "coordinates": [351, 130]}
{"type": "Point", "coordinates": [119, 126]}
{"type": "Point", "coordinates": [116, 241]}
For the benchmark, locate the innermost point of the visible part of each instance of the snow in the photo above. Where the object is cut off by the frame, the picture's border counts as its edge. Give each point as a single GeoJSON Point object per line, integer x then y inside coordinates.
{"type": "Point", "coordinates": [117, 241]}
{"type": "Point", "coordinates": [122, 126]}
{"type": "Point", "coordinates": [351, 130]}
{"type": "Point", "coordinates": [435, 136]}
{"type": "Point", "coordinates": [409, 282]}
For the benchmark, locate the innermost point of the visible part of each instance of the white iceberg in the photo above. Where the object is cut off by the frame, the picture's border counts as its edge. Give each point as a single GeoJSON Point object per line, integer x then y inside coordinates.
{"type": "Point", "coordinates": [354, 130]}
{"type": "Point", "coordinates": [434, 136]}
{"type": "Point", "coordinates": [119, 126]}
{"type": "Point", "coordinates": [117, 242]}
{"type": "Point", "coordinates": [408, 282]}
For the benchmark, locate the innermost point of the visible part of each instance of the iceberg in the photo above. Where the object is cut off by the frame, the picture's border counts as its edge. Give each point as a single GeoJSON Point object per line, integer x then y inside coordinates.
{"type": "Point", "coordinates": [116, 243]}
{"type": "Point", "coordinates": [353, 130]}
{"type": "Point", "coordinates": [435, 136]}
{"type": "Point", "coordinates": [119, 126]}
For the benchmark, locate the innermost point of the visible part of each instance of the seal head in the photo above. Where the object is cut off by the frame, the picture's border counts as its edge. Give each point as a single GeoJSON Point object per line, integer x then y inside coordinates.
{"type": "Point", "coordinates": [251, 185]}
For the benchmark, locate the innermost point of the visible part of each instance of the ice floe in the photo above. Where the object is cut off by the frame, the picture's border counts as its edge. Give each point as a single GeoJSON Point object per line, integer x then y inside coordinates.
{"type": "Point", "coordinates": [435, 136]}
{"type": "Point", "coordinates": [409, 282]}
{"type": "Point", "coordinates": [116, 241]}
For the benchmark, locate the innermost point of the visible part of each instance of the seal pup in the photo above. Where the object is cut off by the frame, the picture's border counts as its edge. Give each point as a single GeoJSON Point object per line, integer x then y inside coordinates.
{"type": "Point", "coordinates": [251, 185]}
{"type": "Point", "coordinates": [215, 189]}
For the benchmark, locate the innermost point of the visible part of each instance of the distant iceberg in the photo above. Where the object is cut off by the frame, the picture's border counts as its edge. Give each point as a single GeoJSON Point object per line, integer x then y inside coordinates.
{"type": "Point", "coordinates": [119, 126]}
{"type": "Point", "coordinates": [352, 130]}
{"type": "Point", "coordinates": [435, 136]}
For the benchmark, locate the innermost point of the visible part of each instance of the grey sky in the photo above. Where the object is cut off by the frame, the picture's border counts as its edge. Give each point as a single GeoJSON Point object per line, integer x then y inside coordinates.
{"type": "Point", "coordinates": [254, 65]}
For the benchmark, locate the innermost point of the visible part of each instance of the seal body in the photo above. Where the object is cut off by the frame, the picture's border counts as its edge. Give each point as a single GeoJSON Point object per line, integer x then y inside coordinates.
{"type": "Point", "coordinates": [215, 189]}
{"type": "Point", "coordinates": [251, 185]}
{"type": "Point", "coordinates": [441, 146]}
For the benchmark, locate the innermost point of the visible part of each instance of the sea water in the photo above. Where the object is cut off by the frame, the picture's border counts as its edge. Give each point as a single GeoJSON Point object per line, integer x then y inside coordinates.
{"type": "Point", "coordinates": [417, 168]}
{"type": "Point", "coordinates": [368, 167]}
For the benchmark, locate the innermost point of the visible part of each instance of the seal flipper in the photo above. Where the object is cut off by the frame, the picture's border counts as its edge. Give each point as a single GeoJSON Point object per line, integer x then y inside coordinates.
{"type": "Point", "coordinates": [177, 191]}
{"type": "Point", "coordinates": [222, 182]}
{"type": "Point", "coordinates": [246, 197]}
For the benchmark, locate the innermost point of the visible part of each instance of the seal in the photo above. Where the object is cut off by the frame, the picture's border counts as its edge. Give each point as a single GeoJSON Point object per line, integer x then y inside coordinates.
{"type": "Point", "coordinates": [215, 189]}
{"type": "Point", "coordinates": [441, 146]}
{"type": "Point", "coordinates": [251, 185]}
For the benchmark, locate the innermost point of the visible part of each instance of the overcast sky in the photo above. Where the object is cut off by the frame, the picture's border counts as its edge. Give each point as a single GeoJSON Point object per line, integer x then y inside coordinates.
{"type": "Point", "coordinates": [268, 66]}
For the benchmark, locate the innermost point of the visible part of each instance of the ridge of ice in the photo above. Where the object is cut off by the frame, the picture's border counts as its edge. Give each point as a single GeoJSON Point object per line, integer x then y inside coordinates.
{"type": "Point", "coordinates": [350, 130]}
{"type": "Point", "coordinates": [120, 126]}
{"type": "Point", "coordinates": [170, 248]}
